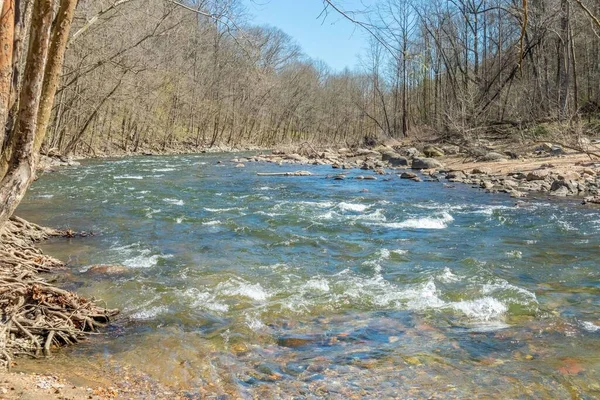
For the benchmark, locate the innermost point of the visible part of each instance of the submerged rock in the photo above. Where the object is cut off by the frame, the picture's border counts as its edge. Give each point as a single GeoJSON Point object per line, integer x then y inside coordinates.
{"type": "Point", "coordinates": [107, 270]}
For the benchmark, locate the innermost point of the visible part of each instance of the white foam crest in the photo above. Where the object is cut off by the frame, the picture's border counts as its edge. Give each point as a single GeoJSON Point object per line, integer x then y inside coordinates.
{"type": "Point", "coordinates": [489, 210]}
{"type": "Point", "coordinates": [220, 210]}
{"type": "Point", "coordinates": [440, 222]}
{"type": "Point", "coordinates": [255, 323]}
{"type": "Point", "coordinates": [212, 223]}
{"type": "Point", "coordinates": [179, 220]}
{"type": "Point", "coordinates": [318, 204]}
{"type": "Point", "coordinates": [149, 314]}
{"type": "Point", "coordinates": [447, 276]}
{"type": "Point", "coordinates": [343, 206]}
{"type": "Point", "coordinates": [400, 252]}
{"type": "Point", "coordinates": [163, 169]}
{"type": "Point", "coordinates": [329, 215]}
{"type": "Point", "coordinates": [205, 301]}
{"type": "Point", "coordinates": [317, 284]}
{"type": "Point", "coordinates": [483, 309]}
{"type": "Point", "coordinates": [504, 286]}
{"type": "Point", "coordinates": [150, 212]}
{"type": "Point", "coordinates": [514, 254]}
{"type": "Point", "coordinates": [137, 177]}
{"type": "Point", "coordinates": [269, 214]}
{"type": "Point", "coordinates": [238, 287]}
{"type": "Point", "coordinates": [590, 326]}
{"type": "Point", "coordinates": [384, 254]}
{"type": "Point", "coordinates": [176, 202]}
{"type": "Point", "coordinates": [376, 216]}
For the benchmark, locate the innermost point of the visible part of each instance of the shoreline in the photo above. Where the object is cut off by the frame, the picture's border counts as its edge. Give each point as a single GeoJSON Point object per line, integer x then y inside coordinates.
{"type": "Point", "coordinates": [511, 177]}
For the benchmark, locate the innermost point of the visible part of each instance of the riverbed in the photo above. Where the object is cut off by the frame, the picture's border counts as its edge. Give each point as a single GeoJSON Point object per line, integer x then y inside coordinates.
{"type": "Point", "coordinates": [310, 287]}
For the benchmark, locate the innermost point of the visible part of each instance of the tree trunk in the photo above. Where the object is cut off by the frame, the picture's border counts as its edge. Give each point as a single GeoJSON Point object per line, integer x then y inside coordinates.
{"type": "Point", "coordinates": [19, 171]}
{"type": "Point", "coordinates": [7, 32]}
{"type": "Point", "coordinates": [56, 55]}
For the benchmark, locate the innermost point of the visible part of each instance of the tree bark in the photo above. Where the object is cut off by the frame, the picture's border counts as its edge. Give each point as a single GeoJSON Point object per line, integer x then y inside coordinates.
{"type": "Point", "coordinates": [56, 55]}
{"type": "Point", "coordinates": [7, 32]}
{"type": "Point", "coordinates": [21, 166]}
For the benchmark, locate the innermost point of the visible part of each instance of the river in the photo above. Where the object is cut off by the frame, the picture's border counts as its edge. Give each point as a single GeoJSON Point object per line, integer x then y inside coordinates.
{"type": "Point", "coordinates": [307, 287]}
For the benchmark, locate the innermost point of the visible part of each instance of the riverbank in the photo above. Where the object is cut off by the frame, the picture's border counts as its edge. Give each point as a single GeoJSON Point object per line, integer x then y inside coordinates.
{"type": "Point", "coordinates": [537, 169]}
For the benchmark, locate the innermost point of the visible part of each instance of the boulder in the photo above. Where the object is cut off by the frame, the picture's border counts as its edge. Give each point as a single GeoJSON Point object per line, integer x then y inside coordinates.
{"type": "Point", "coordinates": [538, 175]}
{"type": "Point", "coordinates": [408, 175]}
{"type": "Point", "coordinates": [480, 171]}
{"type": "Point", "coordinates": [409, 152]}
{"type": "Point", "coordinates": [432, 151]}
{"type": "Point", "coordinates": [395, 159]}
{"type": "Point", "coordinates": [426, 163]}
{"type": "Point", "coordinates": [240, 165]}
{"type": "Point", "coordinates": [456, 175]}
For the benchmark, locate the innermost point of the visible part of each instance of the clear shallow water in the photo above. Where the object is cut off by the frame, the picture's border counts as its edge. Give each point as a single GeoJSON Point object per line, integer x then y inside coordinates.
{"type": "Point", "coordinates": [309, 287]}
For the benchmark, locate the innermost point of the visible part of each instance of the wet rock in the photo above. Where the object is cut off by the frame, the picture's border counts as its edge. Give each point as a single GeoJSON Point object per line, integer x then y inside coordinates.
{"type": "Point", "coordinates": [426, 163]}
{"type": "Point", "coordinates": [408, 175]}
{"type": "Point", "coordinates": [487, 185]}
{"type": "Point", "coordinates": [107, 270]}
{"type": "Point", "coordinates": [240, 165]}
{"type": "Point", "coordinates": [561, 191]}
{"type": "Point", "coordinates": [370, 178]}
{"type": "Point", "coordinates": [339, 177]}
{"type": "Point", "coordinates": [295, 341]}
{"type": "Point", "coordinates": [432, 151]}
{"type": "Point", "coordinates": [457, 176]}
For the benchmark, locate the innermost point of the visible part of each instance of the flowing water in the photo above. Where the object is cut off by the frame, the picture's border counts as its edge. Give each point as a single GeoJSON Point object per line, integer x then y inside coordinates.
{"type": "Point", "coordinates": [306, 287]}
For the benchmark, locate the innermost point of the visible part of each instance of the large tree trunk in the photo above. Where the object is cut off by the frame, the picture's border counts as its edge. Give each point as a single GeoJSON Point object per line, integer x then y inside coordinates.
{"type": "Point", "coordinates": [56, 55]}
{"type": "Point", "coordinates": [21, 165]}
{"type": "Point", "coordinates": [7, 33]}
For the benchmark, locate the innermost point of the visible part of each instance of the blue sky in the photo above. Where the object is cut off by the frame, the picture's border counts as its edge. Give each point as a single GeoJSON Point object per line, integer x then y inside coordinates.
{"type": "Point", "coordinates": [336, 41]}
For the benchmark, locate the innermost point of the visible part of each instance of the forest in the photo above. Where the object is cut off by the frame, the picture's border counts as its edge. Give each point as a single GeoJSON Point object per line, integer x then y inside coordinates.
{"type": "Point", "coordinates": [154, 75]}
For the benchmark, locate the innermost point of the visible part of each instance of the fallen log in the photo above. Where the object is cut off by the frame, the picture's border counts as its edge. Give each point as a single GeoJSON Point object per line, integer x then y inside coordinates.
{"type": "Point", "coordinates": [295, 173]}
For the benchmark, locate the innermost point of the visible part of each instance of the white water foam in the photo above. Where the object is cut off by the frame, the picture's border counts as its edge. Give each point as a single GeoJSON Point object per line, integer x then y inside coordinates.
{"type": "Point", "coordinates": [590, 327]}
{"type": "Point", "coordinates": [343, 206]}
{"type": "Point", "coordinates": [484, 309]}
{"type": "Point", "coordinates": [176, 202]}
{"type": "Point", "coordinates": [220, 210]}
{"type": "Point", "coordinates": [149, 314]}
{"type": "Point", "coordinates": [137, 177]}
{"type": "Point", "coordinates": [212, 223]}
{"type": "Point", "coordinates": [239, 287]}
{"type": "Point", "coordinates": [440, 222]}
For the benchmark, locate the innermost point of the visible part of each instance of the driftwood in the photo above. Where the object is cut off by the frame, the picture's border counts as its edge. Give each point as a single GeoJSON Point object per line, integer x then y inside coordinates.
{"type": "Point", "coordinates": [36, 316]}
{"type": "Point", "coordinates": [296, 173]}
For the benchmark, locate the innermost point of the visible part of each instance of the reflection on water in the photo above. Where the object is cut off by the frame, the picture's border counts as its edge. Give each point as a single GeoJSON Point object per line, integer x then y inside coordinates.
{"type": "Point", "coordinates": [308, 287]}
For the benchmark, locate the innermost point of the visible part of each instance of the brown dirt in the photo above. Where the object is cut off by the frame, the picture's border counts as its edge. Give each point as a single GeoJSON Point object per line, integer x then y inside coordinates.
{"type": "Point", "coordinates": [569, 162]}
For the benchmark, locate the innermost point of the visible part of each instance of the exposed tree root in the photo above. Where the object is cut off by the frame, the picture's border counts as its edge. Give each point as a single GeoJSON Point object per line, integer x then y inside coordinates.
{"type": "Point", "coordinates": [36, 316]}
